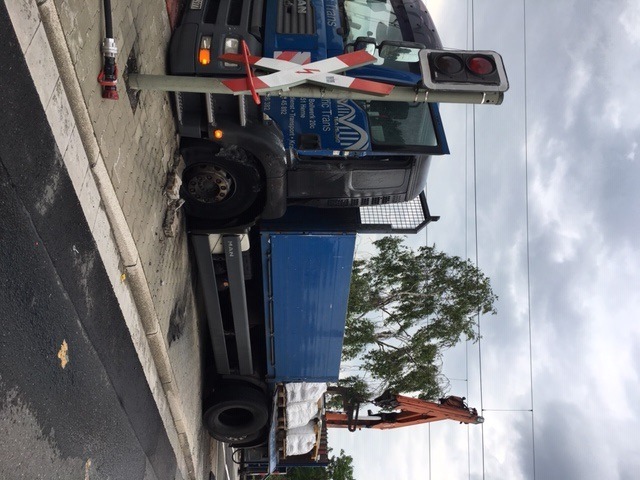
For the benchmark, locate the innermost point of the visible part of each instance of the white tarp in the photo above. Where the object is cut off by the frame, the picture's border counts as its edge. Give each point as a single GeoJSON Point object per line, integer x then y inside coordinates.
{"type": "Point", "coordinates": [303, 392]}
{"type": "Point", "coordinates": [301, 439]}
{"type": "Point", "coordinates": [303, 409]}
{"type": "Point", "coordinates": [300, 413]}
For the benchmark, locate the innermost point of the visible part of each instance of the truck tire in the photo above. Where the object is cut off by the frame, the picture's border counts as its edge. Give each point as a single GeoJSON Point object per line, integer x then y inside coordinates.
{"type": "Point", "coordinates": [236, 414]}
{"type": "Point", "coordinates": [255, 440]}
{"type": "Point", "coordinates": [221, 187]}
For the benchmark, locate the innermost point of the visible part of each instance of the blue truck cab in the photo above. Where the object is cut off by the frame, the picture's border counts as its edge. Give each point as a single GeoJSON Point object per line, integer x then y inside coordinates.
{"type": "Point", "coordinates": [301, 151]}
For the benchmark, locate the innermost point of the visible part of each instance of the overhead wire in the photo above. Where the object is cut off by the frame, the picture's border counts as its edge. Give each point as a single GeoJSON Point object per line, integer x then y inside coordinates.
{"type": "Point", "coordinates": [426, 244]}
{"type": "Point", "coordinates": [526, 186]}
{"type": "Point", "coordinates": [466, 244]}
{"type": "Point", "coordinates": [470, 5]}
{"type": "Point", "coordinates": [471, 45]}
{"type": "Point", "coordinates": [475, 223]}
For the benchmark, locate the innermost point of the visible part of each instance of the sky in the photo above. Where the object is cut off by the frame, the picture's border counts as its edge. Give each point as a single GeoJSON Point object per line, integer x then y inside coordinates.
{"type": "Point", "coordinates": [558, 218]}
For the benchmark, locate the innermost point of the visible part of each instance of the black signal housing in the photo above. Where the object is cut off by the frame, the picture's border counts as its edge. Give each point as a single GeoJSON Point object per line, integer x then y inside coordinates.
{"type": "Point", "coordinates": [463, 71]}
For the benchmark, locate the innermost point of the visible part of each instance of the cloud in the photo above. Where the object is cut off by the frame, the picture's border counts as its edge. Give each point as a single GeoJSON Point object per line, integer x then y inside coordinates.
{"type": "Point", "coordinates": [583, 260]}
{"type": "Point", "coordinates": [561, 447]}
{"type": "Point", "coordinates": [629, 18]}
{"type": "Point", "coordinates": [583, 255]}
{"type": "Point", "coordinates": [584, 303]}
{"type": "Point", "coordinates": [571, 442]}
{"type": "Point", "coordinates": [632, 152]}
{"type": "Point", "coordinates": [555, 198]}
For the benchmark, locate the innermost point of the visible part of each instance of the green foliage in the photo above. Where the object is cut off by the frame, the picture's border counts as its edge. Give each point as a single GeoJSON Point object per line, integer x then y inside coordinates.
{"type": "Point", "coordinates": [339, 468]}
{"type": "Point", "coordinates": [353, 390]}
{"type": "Point", "coordinates": [405, 307]}
{"type": "Point", "coordinates": [305, 473]}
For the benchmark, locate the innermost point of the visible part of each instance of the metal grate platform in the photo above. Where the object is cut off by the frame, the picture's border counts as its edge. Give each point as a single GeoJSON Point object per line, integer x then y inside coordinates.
{"type": "Point", "coordinates": [406, 217]}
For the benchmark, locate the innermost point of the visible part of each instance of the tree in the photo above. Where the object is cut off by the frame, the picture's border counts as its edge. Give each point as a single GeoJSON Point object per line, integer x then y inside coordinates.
{"type": "Point", "coordinates": [306, 473]}
{"type": "Point", "coordinates": [405, 308]}
{"type": "Point", "coordinates": [339, 468]}
{"type": "Point", "coordinates": [353, 390]}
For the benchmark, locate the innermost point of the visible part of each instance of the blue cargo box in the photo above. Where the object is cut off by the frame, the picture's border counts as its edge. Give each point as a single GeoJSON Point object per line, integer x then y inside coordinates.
{"type": "Point", "coordinates": [306, 291]}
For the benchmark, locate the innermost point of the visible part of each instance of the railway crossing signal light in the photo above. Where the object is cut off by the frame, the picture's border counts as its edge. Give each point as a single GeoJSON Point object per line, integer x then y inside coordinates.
{"type": "Point", "coordinates": [463, 71]}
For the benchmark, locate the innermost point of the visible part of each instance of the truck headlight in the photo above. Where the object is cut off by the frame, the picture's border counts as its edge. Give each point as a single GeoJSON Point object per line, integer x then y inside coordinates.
{"type": "Point", "coordinates": [231, 45]}
{"type": "Point", "coordinates": [204, 52]}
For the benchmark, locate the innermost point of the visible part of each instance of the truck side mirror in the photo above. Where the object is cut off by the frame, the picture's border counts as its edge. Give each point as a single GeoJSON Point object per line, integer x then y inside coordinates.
{"type": "Point", "coordinates": [406, 52]}
{"type": "Point", "coordinates": [367, 44]}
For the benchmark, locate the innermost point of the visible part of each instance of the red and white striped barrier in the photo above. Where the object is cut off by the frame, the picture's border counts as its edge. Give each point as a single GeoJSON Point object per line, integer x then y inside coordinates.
{"type": "Point", "coordinates": [289, 73]}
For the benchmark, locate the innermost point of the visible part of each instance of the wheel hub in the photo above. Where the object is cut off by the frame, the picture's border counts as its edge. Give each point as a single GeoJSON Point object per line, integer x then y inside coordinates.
{"type": "Point", "coordinates": [210, 184]}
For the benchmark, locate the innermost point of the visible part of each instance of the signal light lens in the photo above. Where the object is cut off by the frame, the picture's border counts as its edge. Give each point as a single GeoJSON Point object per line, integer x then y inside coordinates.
{"type": "Point", "coordinates": [448, 64]}
{"type": "Point", "coordinates": [480, 65]}
{"type": "Point", "coordinates": [204, 53]}
{"type": "Point", "coordinates": [217, 134]}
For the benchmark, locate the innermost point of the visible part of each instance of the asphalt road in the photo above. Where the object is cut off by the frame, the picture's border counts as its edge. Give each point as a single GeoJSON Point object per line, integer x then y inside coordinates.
{"type": "Point", "coordinates": [74, 402]}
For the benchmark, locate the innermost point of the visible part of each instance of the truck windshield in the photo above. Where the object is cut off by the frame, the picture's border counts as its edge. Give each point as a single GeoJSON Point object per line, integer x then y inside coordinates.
{"type": "Point", "coordinates": [373, 19]}
{"type": "Point", "coordinates": [395, 124]}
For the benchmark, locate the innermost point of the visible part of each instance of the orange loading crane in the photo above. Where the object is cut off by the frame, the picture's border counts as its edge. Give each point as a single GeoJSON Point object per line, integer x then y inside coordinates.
{"type": "Point", "coordinates": [407, 411]}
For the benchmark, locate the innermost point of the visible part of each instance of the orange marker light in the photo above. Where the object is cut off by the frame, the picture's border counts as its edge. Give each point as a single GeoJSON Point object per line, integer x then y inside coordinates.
{"type": "Point", "coordinates": [217, 134]}
{"type": "Point", "coordinates": [204, 52]}
{"type": "Point", "coordinates": [204, 57]}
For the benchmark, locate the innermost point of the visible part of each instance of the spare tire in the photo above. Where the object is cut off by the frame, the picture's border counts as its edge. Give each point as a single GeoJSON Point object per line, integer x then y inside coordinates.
{"type": "Point", "coordinates": [236, 414]}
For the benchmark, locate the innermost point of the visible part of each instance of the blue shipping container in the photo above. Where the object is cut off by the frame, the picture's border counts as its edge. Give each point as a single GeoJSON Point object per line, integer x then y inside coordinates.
{"type": "Point", "coordinates": [306, 291]}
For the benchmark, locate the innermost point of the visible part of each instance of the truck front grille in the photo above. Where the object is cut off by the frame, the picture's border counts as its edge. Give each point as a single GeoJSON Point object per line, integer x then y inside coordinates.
{"type": "Point", "coordinates": [227, 12]}
{"type": "Point", "coordinates": [296, 16]}
{"type": "Point", "coordinates": [237, 13]}
{"type": "Point", "coordinates": [211, 15]}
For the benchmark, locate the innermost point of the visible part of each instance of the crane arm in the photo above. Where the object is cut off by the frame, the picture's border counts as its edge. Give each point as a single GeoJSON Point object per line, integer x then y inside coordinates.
{"type": "Point", "coordinates": [407, 411]}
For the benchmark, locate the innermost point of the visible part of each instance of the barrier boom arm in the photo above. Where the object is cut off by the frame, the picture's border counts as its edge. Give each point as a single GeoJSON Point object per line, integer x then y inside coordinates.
{"type": "Point", "coordinates": [171, 83]}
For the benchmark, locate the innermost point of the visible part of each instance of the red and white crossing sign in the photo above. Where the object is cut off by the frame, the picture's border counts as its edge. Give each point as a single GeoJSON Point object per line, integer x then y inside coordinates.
{"type": "Point", "coordinates": [301, 58]}
{"type": "Point", "coordinates": [289, 74]}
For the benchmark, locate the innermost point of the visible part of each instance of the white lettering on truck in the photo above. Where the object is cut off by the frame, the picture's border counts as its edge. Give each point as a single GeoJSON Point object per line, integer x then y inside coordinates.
{"type": "Point", "coordinates": [331, 11]}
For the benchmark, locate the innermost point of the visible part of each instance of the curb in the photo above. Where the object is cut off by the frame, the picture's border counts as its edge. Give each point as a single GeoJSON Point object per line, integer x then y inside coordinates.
{"type": "Point", "coordinates": [149, 342]}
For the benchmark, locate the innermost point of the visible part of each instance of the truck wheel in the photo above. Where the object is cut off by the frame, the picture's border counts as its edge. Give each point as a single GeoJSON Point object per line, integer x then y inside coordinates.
{"type": "Point", "coordinates": [255, 440]}
{"type": "Point", "coordinates": [221, 188]}
{"type": "Point", "coordinates": [236, 414]}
